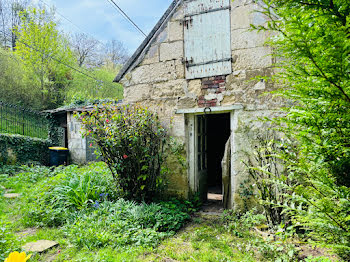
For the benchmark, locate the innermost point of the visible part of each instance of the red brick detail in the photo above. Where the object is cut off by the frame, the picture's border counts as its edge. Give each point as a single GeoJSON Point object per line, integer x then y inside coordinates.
{"type": "Point", "coordinates": [219, 91]}
{"type": "Point", "coordinates": [207, 103]}
{"type": "Point", "coordinates": [213, 82]}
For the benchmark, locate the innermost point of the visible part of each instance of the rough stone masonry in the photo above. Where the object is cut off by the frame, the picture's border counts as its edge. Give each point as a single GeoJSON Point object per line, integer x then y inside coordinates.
{"type": "Point", "coordinates": [157, 80]}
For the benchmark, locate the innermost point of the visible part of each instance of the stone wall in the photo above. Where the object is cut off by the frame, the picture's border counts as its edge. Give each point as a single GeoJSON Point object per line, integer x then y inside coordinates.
{"type": "Point", "coordinates": [76, 143]}
{"type": "Point", "coordinates": [159, 83]}
{"type": "Point", "coordinates": [17, 150]}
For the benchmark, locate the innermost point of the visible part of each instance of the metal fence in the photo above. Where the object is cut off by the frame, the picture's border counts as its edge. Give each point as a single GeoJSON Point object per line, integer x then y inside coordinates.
{"type": "Point", "coordinates": [17, 120]}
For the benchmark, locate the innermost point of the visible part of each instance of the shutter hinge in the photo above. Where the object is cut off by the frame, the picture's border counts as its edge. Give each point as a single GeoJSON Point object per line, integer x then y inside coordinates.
{"type": "Point", "coordinates": [190, 63]}
{"type": "Point", "coordinates": [187, 62]}
{"type": "Point", "coordinates": [187, 22]}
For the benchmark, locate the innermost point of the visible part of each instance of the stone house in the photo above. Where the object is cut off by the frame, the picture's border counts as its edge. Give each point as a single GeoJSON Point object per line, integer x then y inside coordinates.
{"type": "Point", "coordinates": [197, 69]}
{"type": "Point", "coordinates": [69, 131]}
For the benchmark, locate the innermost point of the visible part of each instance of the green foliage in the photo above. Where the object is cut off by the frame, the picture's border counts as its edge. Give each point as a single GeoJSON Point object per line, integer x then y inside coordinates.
{"type": "Point", "coordinates": [131, 141]}
{"type": "Point", "coordinates": [84, 89]}
{"type": "Point", "coordinates": [67, 191]}
{"type": "Point", "coordinates": [312, 44]}
{"type": "Point", "coordinates": [123, 223]}
{"type": "Point", "coordinates": [17, 149]}
{"type": "Point", "coordinates": [274, 247]}
{"type": "Point", "coordinates": [16, 86]}
{"type": "Point", "coordinates": [240, 224]}
{"type": "Point", "coordinates": [82, 200]}
{"type": "Point", "coordinates": [268, 175]}
{"type": "Point", "coordinates": [40, 46]}
{"type": "Point", "coordinates": [7, 241]}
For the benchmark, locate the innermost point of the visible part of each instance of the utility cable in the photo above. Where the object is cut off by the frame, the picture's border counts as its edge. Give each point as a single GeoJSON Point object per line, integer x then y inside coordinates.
{"type": "Point", "coordinates": [63, 63]}
{"type": "Point", "coordinates": [70, 21]}
{"type": "Point", "coordinates": [116, 6]}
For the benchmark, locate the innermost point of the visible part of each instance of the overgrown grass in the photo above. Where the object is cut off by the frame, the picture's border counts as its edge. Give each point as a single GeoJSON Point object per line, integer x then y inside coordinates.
{"type": "Point", "coordinates": [78, 208]}
{"type": "Point", "coordinates": [83, 204]}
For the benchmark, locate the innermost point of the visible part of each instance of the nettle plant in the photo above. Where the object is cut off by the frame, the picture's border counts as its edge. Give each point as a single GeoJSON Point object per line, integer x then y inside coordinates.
{"type": "Point", "coordinates": [131, 140]}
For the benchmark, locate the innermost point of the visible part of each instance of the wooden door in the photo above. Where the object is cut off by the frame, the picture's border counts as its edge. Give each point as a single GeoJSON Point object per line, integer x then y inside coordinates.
{"type": "Point", "coordinates": [202, 161]}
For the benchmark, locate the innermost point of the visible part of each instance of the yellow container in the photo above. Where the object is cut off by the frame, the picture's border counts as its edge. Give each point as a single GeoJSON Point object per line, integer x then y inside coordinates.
{"type": "Point", "coordinates": [58, 148]}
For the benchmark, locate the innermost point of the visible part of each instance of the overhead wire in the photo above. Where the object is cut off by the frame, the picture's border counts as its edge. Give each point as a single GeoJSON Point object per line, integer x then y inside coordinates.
{"type": "Point", "coordinates": [70, 21]}
{"type": "Point", "coordinates": [116, 6]}
{"type": "Point", "coordinates": [61, 62]}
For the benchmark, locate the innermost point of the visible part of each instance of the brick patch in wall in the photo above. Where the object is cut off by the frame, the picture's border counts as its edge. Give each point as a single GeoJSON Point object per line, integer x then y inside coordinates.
{"type": "Point", "coordinates": [216, 84]}
{"type": "Point", "coordinates": [206, 103]}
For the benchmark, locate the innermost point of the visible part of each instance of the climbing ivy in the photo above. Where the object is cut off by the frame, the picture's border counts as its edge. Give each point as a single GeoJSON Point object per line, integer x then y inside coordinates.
{"type": "Point", "coordinates": [17, 149]}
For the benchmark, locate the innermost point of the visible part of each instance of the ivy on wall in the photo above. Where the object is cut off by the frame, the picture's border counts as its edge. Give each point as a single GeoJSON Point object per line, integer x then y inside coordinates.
{"type": "Point", "coordinates": [17, 149]}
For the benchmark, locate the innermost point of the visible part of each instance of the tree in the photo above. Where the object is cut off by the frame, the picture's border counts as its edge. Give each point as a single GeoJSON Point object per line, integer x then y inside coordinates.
{"type": "Point", "coordinates": [115, 53]}
{"type": "Point", "coordinates": [17, 87]}
{"type": "Point", "coordinates": [84, 89]}
{"type": "Point", "coordinates": [312, 45]}
{"type": "Point", "coordinates": [10, 19]}
{"type": "Point", "coordinates": [85, 49]}
{"type": "Point", "coordinates": [45, 53]}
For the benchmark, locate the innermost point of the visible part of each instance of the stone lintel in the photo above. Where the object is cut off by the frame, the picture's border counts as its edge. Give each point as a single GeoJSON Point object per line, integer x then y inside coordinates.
{"type": "Point", "coordinates": [213, 109]}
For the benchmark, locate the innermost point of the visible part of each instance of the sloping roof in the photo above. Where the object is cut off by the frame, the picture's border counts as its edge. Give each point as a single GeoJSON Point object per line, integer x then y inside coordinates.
{"type": "Point", "coordinates": [140, 52]}
{"type": "Point", "coordinates": [62, 110]}
{"type": "Point", "coordinates": [75, 108]}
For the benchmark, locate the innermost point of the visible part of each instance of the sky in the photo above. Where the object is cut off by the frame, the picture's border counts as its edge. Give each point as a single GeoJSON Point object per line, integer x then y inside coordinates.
{"type": "Point", "coordinates": [101, 20]}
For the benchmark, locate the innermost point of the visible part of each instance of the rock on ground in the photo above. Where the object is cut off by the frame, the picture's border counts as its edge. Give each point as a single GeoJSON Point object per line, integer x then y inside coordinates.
{"type": "Point", "coordinates": [11, 195]}
{"type": "Point", "coordinates": [39, 246]}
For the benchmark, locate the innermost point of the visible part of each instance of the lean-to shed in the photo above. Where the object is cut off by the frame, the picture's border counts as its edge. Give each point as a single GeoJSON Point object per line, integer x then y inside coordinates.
{"type": "Point", "coordinates": [69, 132]}
{"type": "Point", "coordinates": [196, 69]}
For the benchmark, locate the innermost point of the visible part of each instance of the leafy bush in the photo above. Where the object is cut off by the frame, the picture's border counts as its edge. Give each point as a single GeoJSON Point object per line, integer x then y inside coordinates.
{"type": "Point", "coordinates": [80, 200]}
{"type": "Point", "coordinates": [17, 149]}
{"type": "Point", "coordinates": [124, 223]}
{"type": "Point", "coordinates": [267, 172]}
{"type": "Point", "coordinates": [83, 200]}
{"type": "Point", "coordinates": [7, 241]}
{"type": "Point", "coordinates": [131, 141]}
{"type": "Point", "coordinates": [71, 189]}
{"type": "Point", "coordinates": [312, 46]}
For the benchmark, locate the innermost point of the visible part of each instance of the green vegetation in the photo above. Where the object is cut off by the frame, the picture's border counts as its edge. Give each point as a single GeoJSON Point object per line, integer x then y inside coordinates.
{"type": "Point", "coordinates": [312, 45]}
{"type": "Point", "coordinates": [84, 210]}
{"type": "Point", "coordinates": [132, 142]}
{"type": "Point", "coordinates": [38, 41]}
{"type": "Point", "coordinates": [46, 68]}
{"type": "Point", "coordinates": [83, 89]}
{"type": "Point", "coordinates": [77, 207]}
{"type": "Point", "coordinates": [17, 149]}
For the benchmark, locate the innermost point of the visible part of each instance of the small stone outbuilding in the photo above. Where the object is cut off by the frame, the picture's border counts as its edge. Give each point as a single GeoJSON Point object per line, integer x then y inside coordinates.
{"type": "Point", "coordinates": [197, 69]}
{"type": "Point", "coordinates": [69, 130]}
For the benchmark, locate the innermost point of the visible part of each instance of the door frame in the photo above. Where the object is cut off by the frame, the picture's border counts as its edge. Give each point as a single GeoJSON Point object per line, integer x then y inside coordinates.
{"type": "Point", "coordinates": [192, 146]}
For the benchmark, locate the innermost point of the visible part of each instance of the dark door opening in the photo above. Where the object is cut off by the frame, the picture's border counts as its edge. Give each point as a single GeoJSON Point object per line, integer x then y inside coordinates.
{"type": "Point", "coordinates": [218, 132]}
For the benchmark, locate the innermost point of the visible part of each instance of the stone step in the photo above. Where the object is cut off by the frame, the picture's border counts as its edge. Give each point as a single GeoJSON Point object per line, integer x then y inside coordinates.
{"type": "Point", "coordinates": [11, 195]}
{"type": "Point", "coordinates": [39, 246]}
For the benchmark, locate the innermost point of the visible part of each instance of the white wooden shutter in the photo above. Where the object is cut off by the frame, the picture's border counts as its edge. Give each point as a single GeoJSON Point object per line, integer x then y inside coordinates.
{"type": "Point", "coordinates": [207, 38]}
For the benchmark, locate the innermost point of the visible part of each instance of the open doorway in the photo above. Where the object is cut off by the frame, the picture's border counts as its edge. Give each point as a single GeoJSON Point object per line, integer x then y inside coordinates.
{"type": "Point", "coordinates": [213, 133]}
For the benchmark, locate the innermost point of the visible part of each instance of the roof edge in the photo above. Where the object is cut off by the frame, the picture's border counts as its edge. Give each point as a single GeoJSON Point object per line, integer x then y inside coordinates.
{"type": "Point", "coordinates": [147, 41]}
